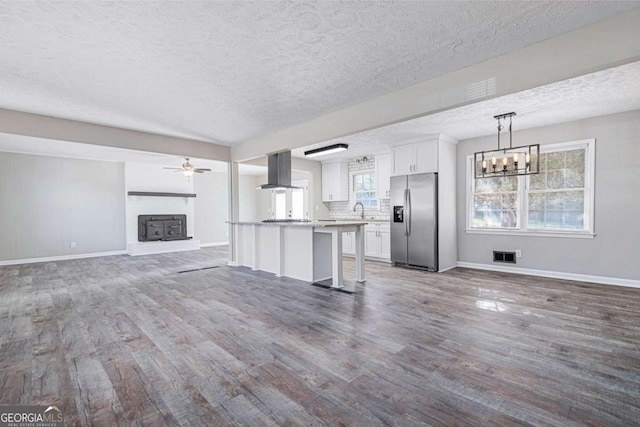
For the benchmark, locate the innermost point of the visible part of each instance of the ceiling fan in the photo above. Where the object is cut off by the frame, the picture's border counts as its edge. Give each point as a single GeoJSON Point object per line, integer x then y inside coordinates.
{"type": "Point", "coordinates": [188, 170]}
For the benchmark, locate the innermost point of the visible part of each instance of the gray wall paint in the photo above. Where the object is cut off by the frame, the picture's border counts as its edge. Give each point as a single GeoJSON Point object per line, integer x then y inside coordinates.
{"type": "Point", "coordinates": [615, 250]}
{"type": "Point", "coordinates": [211, 208]}
{"type": "Point", "coordinates": [36, 125]}
{"type": "Point", "coordinates": [48, 202]}
{"type": "Point", "coordinates": [248, 197]}
{"type": "Point", "coordinates": [317, 209]}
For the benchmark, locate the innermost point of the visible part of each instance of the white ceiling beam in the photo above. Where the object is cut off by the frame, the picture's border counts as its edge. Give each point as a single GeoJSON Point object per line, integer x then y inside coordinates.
{"type": "Point", "coordinates": [35, 125]}
{"type": "Point", "coordinates": [602, 45]}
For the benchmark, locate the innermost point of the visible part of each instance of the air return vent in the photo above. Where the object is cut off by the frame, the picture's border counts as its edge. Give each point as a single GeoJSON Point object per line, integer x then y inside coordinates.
{"type": "Point", "coordinates": [508, 257]}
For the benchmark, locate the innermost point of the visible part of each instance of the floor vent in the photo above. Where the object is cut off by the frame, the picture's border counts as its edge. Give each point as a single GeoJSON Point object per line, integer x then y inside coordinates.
{"type": "Point", "coordinates": [198, 269]}
{"type": "Point", "coordinates": [500, 256]}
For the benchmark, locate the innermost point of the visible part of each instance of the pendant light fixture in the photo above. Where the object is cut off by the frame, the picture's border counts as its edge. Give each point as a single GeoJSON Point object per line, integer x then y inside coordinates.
{"type": "Point", "coordinates": [511, 161]}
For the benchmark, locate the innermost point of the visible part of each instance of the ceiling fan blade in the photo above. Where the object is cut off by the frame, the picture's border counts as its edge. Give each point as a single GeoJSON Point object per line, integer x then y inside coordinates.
{"type": "Point", "coordinates": [178, 169]}
{"type": "Point", "coordinates": [202, 170]}
{"type": "Point", "coordinates": [198, 171]}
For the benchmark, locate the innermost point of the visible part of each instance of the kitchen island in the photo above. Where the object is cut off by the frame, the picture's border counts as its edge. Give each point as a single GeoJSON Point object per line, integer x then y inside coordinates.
{"type": "Point", "coordinates": [308, 251]}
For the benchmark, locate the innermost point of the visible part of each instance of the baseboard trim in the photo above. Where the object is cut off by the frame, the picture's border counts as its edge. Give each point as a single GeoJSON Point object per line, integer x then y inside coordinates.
{"type": "Point", "coordinates": [449, 268]}
{"type": "Point", "coordinates": [603, 280]}
{"type": "Point", "coordinates": [208, 245]}
{"type": "Point", "coordinates": [60, 258]}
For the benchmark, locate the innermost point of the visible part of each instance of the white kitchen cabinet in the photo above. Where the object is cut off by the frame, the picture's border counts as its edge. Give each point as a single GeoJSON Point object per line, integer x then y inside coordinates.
{"type": "Point", "coordinates": [349, 243]}
{"type": "Point", "coordinates": [383, 176]}
{"type": "Point", "coordinates": [417, 157]}
{"type": "Point", "coordinates": [371, 243]}
{"type": "Point", "coordinates": [403, 156]}
{"type": "Point", "coordinates": [335, 181]}
{"type": "Point", "coordinates": [377, 242]}
{"type": "Point", "coordinates": [385, 244]}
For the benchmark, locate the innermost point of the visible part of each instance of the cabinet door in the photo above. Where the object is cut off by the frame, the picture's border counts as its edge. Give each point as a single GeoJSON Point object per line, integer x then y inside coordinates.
{"type": "Point", "coordinates": [385, 244]}
{"type": "Point", "coordinates": [349, 243]}
{"type": "Point", "coordinates": [383, 176]}
{"type": "Point", "coordinates": [402, 159]}
{"type": "Point", "coordinates": [328, 179]}
{"type": "Point", "coordinates": [371, 243]}
{"type": "Point", "coordinates": [341, 183]}
{"type": "Point", "coordinates": [426, 156]}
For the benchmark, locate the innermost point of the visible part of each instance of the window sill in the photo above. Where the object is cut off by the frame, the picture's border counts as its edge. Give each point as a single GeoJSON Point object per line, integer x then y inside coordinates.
{"type": "Point", "coordinates": [567, 234]}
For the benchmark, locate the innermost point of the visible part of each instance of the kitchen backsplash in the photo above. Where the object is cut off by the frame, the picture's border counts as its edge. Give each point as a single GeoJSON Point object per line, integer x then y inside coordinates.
{"type": "Point", "coordinates": [345, 209]}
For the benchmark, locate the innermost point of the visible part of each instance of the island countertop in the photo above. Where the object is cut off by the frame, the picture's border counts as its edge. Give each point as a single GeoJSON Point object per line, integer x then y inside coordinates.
{"type": "Point", "coordinates": [309, 251]}
{"type": "Point", "coordinates": [329, 223]}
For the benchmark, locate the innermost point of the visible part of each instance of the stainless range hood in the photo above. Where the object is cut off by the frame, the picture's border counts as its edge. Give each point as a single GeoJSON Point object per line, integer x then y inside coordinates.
{"type": "Point", "coordinates": [279, 172]}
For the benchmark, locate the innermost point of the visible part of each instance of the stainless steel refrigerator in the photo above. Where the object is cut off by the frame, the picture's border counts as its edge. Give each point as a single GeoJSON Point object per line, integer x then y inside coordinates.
{"type": "Point", "coordinates": [414, 221]}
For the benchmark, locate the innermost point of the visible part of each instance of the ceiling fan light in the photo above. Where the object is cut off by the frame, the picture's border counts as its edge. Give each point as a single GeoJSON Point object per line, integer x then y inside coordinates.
{"type": "Point", "coordinates": [187, 173]}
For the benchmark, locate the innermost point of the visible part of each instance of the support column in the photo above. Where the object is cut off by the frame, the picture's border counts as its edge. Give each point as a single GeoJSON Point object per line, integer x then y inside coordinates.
{"type": "Point", "coordinates": [234, 204]}
{"type": "Point", "coordinates": [360, 254]}
{"type": "Point", "coordinates": [337, 280]}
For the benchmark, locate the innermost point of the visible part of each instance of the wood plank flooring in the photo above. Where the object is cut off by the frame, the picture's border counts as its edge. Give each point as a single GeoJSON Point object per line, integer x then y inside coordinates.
{"type": "Point", "coordinates": [132, 341]}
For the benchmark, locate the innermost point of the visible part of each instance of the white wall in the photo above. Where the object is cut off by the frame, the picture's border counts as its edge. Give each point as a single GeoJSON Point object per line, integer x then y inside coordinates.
{"type": "Point", "coordinates": [615, 251]}
{"type": "Point", "coordinates": [211, 207]}
{"type": "Point", "coordinates": [248, 197]}
{"type": "Point", "coordinates": [48, 202]}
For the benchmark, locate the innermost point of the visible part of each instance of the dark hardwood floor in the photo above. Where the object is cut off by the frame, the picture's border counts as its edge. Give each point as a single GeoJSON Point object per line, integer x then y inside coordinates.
{"type": "Point", "coordinates": [132, 341]}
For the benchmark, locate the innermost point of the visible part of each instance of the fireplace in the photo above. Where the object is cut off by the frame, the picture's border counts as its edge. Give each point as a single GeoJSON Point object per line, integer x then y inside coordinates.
{"type": "Point", "coordinates": [162, 228]}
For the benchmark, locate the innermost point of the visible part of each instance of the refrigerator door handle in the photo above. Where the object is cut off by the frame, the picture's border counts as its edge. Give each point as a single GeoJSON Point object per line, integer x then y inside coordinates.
{"type": "Point", "coordinates": [405, 219]}
{"type": "Point", "coordinates": [408, 209]}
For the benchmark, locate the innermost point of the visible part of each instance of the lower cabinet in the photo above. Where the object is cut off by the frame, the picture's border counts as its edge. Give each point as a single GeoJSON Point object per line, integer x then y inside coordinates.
{"type": "Point", "coordinates": [349, 243]}
{"type": "Point", "coordinates": [377, 241]}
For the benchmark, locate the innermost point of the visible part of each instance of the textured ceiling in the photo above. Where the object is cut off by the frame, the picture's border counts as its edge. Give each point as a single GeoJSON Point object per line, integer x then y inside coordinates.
{"type": "Point", "coordinates": [605, 92]}
{"type": "Point", "coordinates": [229, 71]}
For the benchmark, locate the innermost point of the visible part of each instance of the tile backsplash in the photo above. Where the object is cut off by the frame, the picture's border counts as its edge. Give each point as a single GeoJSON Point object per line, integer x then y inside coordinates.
{"type": "Point", "coordinates": [345, 209]}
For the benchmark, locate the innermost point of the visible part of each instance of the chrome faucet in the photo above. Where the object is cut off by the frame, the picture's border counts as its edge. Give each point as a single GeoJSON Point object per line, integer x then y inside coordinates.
{"type": "Point", "coordinates": [354, 208]}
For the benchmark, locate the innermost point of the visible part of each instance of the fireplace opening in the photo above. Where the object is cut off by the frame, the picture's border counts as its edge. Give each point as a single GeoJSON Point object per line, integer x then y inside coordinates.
{"type": "Point", "coordinates": [162, 227]}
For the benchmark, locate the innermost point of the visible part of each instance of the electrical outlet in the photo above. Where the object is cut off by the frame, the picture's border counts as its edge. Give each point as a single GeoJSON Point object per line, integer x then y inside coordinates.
{"type": "Point", "coordinates": [518, 253]}
{"type": "Point", "coordinates": [72, 245]}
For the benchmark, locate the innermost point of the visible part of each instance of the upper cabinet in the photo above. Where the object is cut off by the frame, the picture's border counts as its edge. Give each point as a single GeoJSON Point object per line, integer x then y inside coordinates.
{"type": "Point", "coordinates": [335, 181]}
{"type": "Point", "coordinates": [383, 176]}
{"type": "Point", "coordinates": [417, 157]}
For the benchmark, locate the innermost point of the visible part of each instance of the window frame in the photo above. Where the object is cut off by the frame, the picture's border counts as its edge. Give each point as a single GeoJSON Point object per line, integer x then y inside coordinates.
{"type": "Point", "coordinates": [301, 185]}
{"type": "Point", "coordinates": [523, 199]}
{"type": "Point", "coordinates": [374, 181]}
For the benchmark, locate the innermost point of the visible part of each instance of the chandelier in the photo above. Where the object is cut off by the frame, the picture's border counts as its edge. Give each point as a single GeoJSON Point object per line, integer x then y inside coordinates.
{"type": "Point", "coordinates": [511, 161]}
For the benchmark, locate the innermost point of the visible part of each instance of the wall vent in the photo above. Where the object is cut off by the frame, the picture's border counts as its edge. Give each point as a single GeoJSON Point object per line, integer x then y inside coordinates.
{"type": "Point", "coordinates": [501, 256]}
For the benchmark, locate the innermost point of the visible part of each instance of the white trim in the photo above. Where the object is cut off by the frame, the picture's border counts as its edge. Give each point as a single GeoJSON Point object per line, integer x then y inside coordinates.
{"type": "Point", "coordinates": [60, 258]}
{"type": "Point", "coordinates": [521, 229]}
{"type": "Point", "coordinates": [448, 268]}
{"type": "Point", "coordinates": [514, 232]}
{"type": "Point", "coordinates": [352, 188]}
{"type": "Point", "coordinates": [208, 245]}
{"type": "Point", "coordinates": [554, 274]}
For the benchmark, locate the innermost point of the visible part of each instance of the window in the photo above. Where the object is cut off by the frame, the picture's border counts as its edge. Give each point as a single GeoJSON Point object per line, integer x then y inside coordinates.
{"type": "Point", "coordinates": [558, 200]}
{"type": "Point", "coordinates": [495, 203]}
{"type": "Point", "coordinates": [290, 203]}
{"type": "Point", "coordinates": [364, 189]}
